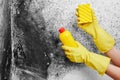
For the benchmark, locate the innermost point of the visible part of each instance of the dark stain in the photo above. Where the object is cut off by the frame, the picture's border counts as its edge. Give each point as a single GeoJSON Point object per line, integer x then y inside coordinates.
{"type": "Point", "coordinates": [35, 56]}
{"type": "Point", "coordinates": [6, 58]}
{"type": "Point", "coordinates": [19, 55]}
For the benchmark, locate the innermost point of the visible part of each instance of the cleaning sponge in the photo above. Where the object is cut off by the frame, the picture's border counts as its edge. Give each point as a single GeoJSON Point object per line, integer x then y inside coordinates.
{"type": "Point", "coordinates": [84, 12]}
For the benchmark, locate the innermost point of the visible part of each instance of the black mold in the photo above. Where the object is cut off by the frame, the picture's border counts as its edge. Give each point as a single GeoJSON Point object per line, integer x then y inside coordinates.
{"type": "Point", "coordinates": [34, 55]}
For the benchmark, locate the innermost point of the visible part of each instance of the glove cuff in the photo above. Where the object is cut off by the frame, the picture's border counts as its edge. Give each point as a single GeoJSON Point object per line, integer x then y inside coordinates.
{"type": "Point", "coordinates": [98, 62]}
{"type": "Point", "coordinates": [103, 40]}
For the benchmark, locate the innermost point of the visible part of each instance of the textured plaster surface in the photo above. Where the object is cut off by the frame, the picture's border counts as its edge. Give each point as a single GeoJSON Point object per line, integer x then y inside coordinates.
{"type": "Point", "coordinates": [1, 29]}
{"type": "Point", "coordinates": [59, 13]}
{"type": "Point", "coordinates": [52, 14]}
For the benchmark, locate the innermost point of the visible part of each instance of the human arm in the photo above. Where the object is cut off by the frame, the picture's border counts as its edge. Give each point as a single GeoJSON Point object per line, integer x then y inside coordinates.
{"type": "Point", "coordinates": [114, 54]}
{"type": "Point", "coordinates": [113, 71]}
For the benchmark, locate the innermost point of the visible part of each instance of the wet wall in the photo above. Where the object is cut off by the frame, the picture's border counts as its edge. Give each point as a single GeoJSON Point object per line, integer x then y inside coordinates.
{"type": "Point", "coordinates": [30, 47]}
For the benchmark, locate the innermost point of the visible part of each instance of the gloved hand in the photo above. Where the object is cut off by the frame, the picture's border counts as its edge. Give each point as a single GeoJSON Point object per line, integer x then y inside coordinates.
{"type": "Point", "coordinates": [82, 55]}
{"type": "Point", "coordinates": [101, 38]}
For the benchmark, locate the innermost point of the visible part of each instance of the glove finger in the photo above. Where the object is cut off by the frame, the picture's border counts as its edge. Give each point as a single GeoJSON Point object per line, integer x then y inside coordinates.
{"type": "Point", "coordinates": [67, 53]}
{"type": "Point", "coordinates": [77, 14]}
{"type": "Point", "coordinates": [67, 48]}
{"type": "Point", "coordinates": [80, 25]}
{"type": "Point", "coordinates": [77, 9]}
{"type": "Point", "coordinates": [70, 58]}
{"type": "Point", "coordinates": [78, 19]}
{"type": "Point", "coordinates": [83, 26]}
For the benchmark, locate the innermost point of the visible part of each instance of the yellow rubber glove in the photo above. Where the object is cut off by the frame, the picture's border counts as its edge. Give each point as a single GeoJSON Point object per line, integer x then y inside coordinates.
{"type": "Point", "coordinates": [82, 55]}
{"type": "Point", "coordinates": [101, 38]}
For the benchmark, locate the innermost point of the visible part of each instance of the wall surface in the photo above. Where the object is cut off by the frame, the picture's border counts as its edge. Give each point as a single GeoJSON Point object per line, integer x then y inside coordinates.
{"type": "Point", "coordinates": [5, 40]}
{"type": "Point", "coordinates": [36, 49]}
{"type": "Point", "coordinates": [59, 13]}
